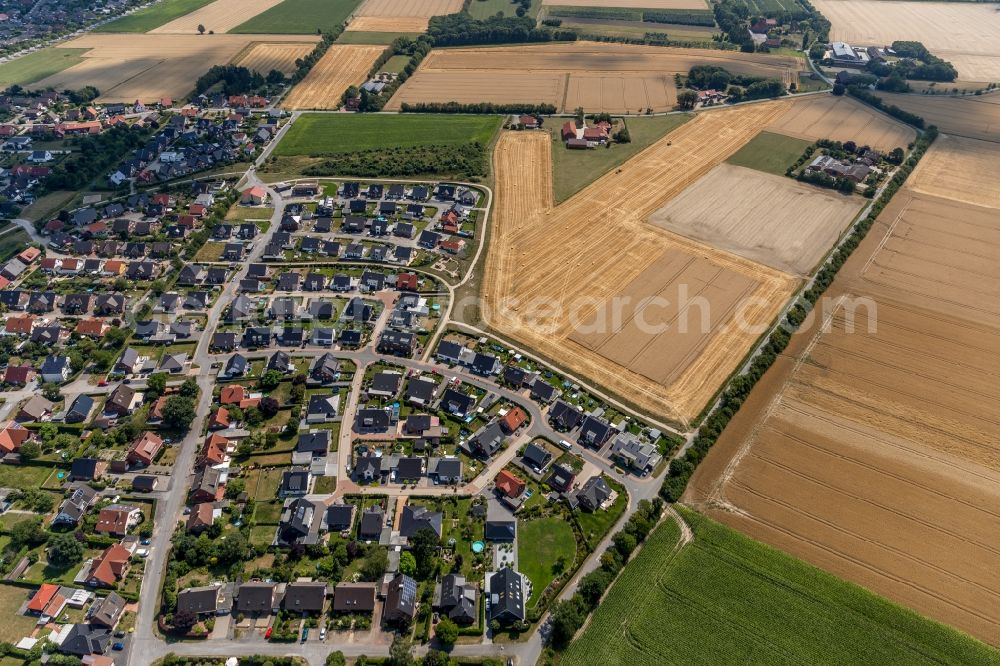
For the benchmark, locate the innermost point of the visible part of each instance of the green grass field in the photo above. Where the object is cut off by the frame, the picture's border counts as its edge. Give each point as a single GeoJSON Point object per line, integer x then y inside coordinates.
{"type": "Point", "coordinates": [572, 170]}
{"type": "Point", "coordinates": [38, 65]}
{"type": "Point", "coordinates": [725, 599]}
{"type": "Point", "coordinates": [299, 17]}
{"type": "Point", "coordinates": [540, 544]}
{"type": "Point", "coordinates": [771, 153]}
{"type": "Point", "coordinates": [481, 9]}
{"type": "Point", "coordinates": [363, 37]}
{"type": "Point", "coordinates": [396, 64]}
{"type": "Point", "coordinates": [326, 133]}
{"type": "Point", "coordinates": [146, 19]}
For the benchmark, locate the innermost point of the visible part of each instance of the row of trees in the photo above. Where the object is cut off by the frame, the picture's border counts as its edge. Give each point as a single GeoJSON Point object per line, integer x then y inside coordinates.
{"type": "Point", "coordinates": [468, 161]}
{"type": "Point", "coordinates": [462, 29]}
{"type": "Point", "coordinates": [236, 80]}
{"type": "Point", "coordinates": [869, 97]}
{"type": "Point", "coordinates": [478, 107]}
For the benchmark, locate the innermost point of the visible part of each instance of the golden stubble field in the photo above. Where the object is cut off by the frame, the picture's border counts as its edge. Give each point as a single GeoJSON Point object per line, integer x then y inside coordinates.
{"type": "Point", "coordinates": [640, 4]}
{"type": "Point", "coordinates": [842, 119]}
{"type": "Point", "coordinates": [388, 24]}
{"type": "Point", "coordinates": [220, 16]}
{"type": "Point", "coordinates": [766, 218]}
{"type": "Point", "coordinates": [264, 57]}
{"type": "Point", "coordinates": [874, 451]}
{"type": "Point", "coordinates": [596, 76]}
{"type": "Point", "coordinates": [974, 116]}
{"type": "Point", "coordinates": [579, 261]}
{"type": "Point", "coordinates": [967, 34]}
{"type": "Point", "coordinates": [146, 67]}
{"type": "Point", "coordinates": [342, 66]}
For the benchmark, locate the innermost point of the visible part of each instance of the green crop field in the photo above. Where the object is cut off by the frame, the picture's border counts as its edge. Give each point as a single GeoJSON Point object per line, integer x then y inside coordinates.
{"type": "Point", "coordinates": [481, 9]}
{"type": "Point", "coordinates": [540, 545]}
{"type": "Point", "coordinates": [725, 599]}
{"type": "Point", "coordinates": [363, 37]}
{"type": "Point", "coordinates": [154, 16]}
{"type": "Point", "coordinates": [38, 65]}
{"type": "Point", "coordinates": [299, 17]}
{"type": "Point", "coordinates": [771, 153]}
{"type": "Point", "coordinates": [327, 133]}
{"type": "Point", "coordinates": [572, 170]}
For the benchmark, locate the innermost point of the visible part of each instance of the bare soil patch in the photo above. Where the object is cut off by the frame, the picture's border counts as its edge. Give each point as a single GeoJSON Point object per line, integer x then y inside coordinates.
{"type": "Point", "coordinates": [599, 77]}
{"type": "Point", "coordinates": [128, 67]}
{"type": "Point", "coordinates": [219, 16]}
{"type": "Point", "coordinates": [766, 218]}
{"type": "Point", "coordinates": [966, 33]}
{"type": "Point", "coordinates": [873, 451]}
{"type": "Point", "coordinates": [388, 24]}
{"type": "Point", "coordinates": [422, 8]}
{"type": "Point", "coordinates": [842, 119]}
{"type": "Point", "coordinates": [578, 259]}
{"type": "Point", "coordinates": [342, 66]}
{"type": "Point", "coordinates": [265, 57]}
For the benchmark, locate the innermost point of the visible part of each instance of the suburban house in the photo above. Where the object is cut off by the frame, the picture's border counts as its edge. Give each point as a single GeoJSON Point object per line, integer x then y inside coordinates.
{"type": "Point", "coordinates": [505, 595]}
{"type": "Point", "coordinates": [400, 599]}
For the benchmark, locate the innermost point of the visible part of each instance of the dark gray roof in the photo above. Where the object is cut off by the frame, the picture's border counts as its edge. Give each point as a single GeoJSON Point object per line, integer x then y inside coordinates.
{"type": "Point", "coordinates": [416, 518]}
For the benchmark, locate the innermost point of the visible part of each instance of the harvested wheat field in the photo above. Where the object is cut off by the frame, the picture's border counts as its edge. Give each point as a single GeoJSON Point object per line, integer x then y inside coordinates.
{"type": "Point", "coordinates": [630, 4]}
{"type": "Point", "coordinates": [342, 66]}
{"type": "Point", "coordinates": [265, 57]}
{"type": "Point", "coordinates": [874, 452]}
{"type": "Point", "coordinates": [967, 34]}
{"type": "Point", "coordinates": [220, 16]}
{"type": "Point", "coordinates": [388, 24]}
{"type": "Point", "coordinates": [974, 116]}
{"type": "Point", "coordinates": [599, 77]}
{"type": "Point", "coordinates": [766, 218]}
{"type": "Point", "coordinates": [421, 8]}
{"type": "Point", "coordinates": [579, 259]}
{"type": "Point", "coordinates": [955, 169]}
{"type": "Point", "coordinates": [127, 67]}
{"type": "Point", "coordinates": [842, 119]}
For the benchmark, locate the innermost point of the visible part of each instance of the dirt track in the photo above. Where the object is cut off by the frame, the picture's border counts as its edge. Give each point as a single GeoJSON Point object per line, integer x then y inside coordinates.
{"type": "Point", "coordinates": [874, 453]}
{"type": "Point", "coordinates": [342, 66]}
{"type": "Point", "coordinates": [597, 245]}
{"type": "Point", "coordinates": [596, 76]}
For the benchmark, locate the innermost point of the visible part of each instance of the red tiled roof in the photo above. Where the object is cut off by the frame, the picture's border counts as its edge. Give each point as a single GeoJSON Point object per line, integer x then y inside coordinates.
{"type": "Point", "coordinates": [508, 484]}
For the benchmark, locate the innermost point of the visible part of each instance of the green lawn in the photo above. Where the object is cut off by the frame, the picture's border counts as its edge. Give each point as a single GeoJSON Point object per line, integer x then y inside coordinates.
{"type": "Point", "coordinates": [572, 170]}
{"type": "Point", "coordinates": [540, 544]}
{"type": "Point", "coordinates": [481, 9]}
{"type": "Point", "coordinates": [595, 525]}
{"type": "Point", "coordinates": [154, 16]}
{"type": "Point", "coordinates": [38, 65]}
{"type": "Point", "coordinates": [299, 17]}
{"type": "Point", "coordinates": [771, 153]}
{"type": "Point", "coordinates": [15, 627]}
{"type": "Point", "coordinates": [320, 134]}
{"type": "Point", "coordinates": [725, 599]}
{"type": "Point", "coordinates": [13, 242]}
{"type": "Point", "coordinates": [26, 476]}
{"type": "Point", "coordinates": [396, 64]}
{"type": "Point", "coordinates": [366, 37]}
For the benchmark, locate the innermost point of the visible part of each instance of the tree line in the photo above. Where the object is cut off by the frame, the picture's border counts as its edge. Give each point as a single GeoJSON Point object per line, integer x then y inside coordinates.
{"type": "Point", "coordinates": [478, 107]}
{"type": "Point", "coordinates": [869, 97]}
{"type": "Point", "coordinates": [462, 29]}
{"type": "Point", "coordinates": [467, 161]}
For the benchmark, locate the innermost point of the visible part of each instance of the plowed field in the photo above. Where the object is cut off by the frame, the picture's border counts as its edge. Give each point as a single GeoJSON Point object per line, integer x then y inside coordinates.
{"type": "Point", "coordinates": [342, 66]}
{"type": "Point", "coordinates": [598, 77]}
{"type": "Point", "coordinates": [872, 448]}
{"type": "Point", "coordinates": [591, 285]}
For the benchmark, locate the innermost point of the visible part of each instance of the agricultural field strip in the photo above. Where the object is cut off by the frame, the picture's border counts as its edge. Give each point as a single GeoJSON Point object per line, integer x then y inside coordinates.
{"type": "Point", "coordinates": [219, 16]}
{"type": "Point", "coordinates": [342, 66]}
{"type": "Point", "coordinates": [975, 117]}
{"type": "Point", "coordinates": [264, 57]}
{"type": "Point", "coordinates": [388, 24]}
{"type": "Point", "coordinates": [629, 4]}
{"type": "Point", "coordinates": [579, 229]}
{"type": "Point", "coordinates": [842, 119]}
{"type": "Point", "coordinates": [409, 8]}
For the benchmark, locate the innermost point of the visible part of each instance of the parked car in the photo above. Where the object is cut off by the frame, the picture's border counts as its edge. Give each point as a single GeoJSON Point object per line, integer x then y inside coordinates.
{"type": "Point", "coordinates": [118, 646]}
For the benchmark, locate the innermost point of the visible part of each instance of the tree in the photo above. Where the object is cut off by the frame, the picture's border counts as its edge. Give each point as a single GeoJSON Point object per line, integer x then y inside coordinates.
{"type": "Point", "coordinates": [401, 651]}
{"type": "Point", "coordinates": [65, 550]}
{"type": "Point", "coordinates": [593, 585]}
{"type": "Point", "coordinates": [375, 564]}
{"type": "Point", "coordinates": [189, 389]}
{"type": "Point", "coordinates": [446, 632]}
{"type": "Point", "coordinates": [30, 451]}
{"type": "Point", "coordinates": [184, 621]}
{"type": "Point", "coordinates": [28, 533]}
{"type": "Point", "coordinates": [235, 487]}
{"type": "Point", "coordinates": [686, 99]}
{"type": "Point", "coordinates": [268, 407]}
{"type": "Point", "coordinates": [436, 658]}
{"type": "Point", "coordinates": [270, 380]}
{"type": "Point", "coordinates": [624, 544]}
{"type": "Point", "coordinates": [839, 89]}
{"type": "Point", "coordinates": [201, 29]}
{"type": "Point", "coordinates": [335, 659]}
{"type": "Point", "coordinates": [178, 413]}
{"type": "Point", "coordinates": [156, 384]}
{"type": "Point", "coordinates": [567, 618]}
{"type": "Point", "coordinates": [51, 392]}
{"type": "Point", "coordinates": [407, 563]}
{"type": "Point", "coordinates": [579, 116]}
{"type": "Point", "coordinates": [424, 545]}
